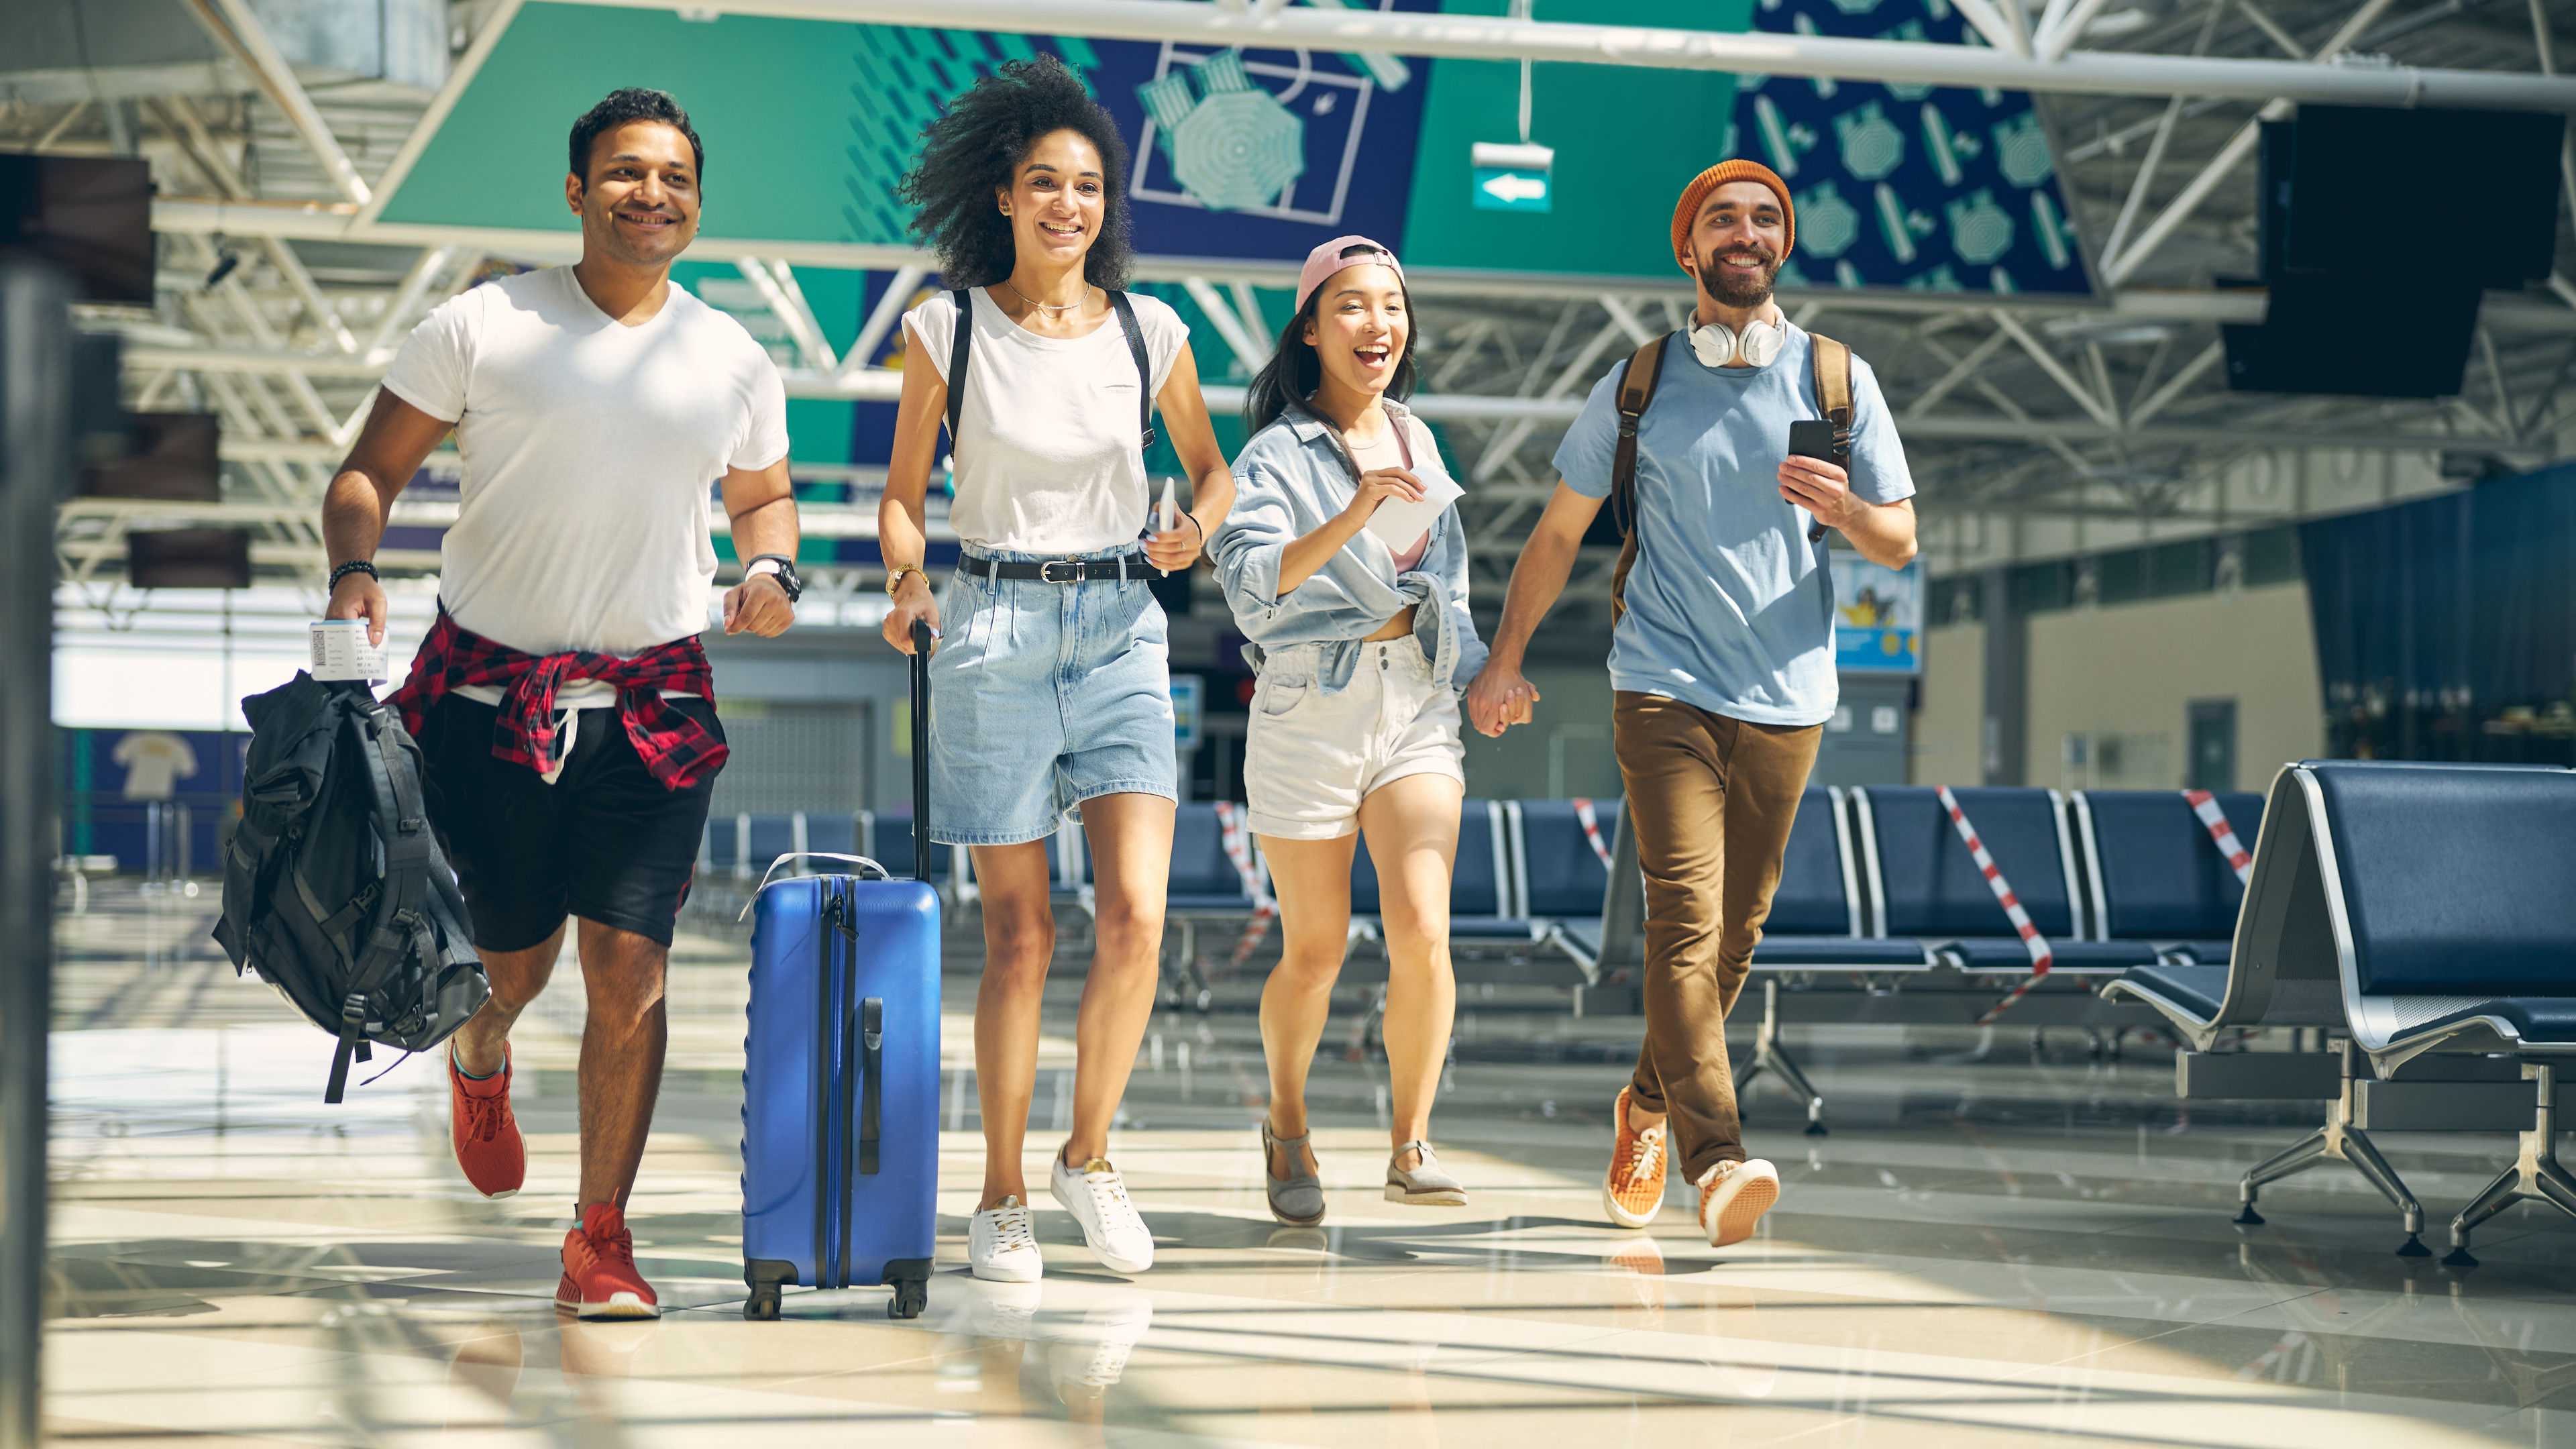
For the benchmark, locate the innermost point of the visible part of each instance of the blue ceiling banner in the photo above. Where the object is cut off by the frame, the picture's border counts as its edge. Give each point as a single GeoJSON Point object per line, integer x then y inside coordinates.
{"type": "Point", "coordinates": [1920, 187]}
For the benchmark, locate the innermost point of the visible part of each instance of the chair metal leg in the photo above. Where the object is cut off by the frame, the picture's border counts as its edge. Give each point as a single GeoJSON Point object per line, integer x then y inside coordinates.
{"type": "Point", "coordinates": [1770, 1056]}
{"type": "Point", "coordinates": [2338, 1138]}
{"type": "Point", "coordinates": [2535, 1176]}
{"type": "Point", "coordinates": [2357, 1150]}
{"type": "Point", "coordinates": [2305, 1153]}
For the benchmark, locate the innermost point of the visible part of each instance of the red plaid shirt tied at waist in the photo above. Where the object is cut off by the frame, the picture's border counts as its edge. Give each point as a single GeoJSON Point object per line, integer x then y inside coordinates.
{"type": "Point", "coordinates": [677, 749]}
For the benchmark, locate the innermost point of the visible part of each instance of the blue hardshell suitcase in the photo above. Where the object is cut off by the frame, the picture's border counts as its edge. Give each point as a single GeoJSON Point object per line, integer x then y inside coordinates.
{"type": "Point", "coordinates": [840, 1115]}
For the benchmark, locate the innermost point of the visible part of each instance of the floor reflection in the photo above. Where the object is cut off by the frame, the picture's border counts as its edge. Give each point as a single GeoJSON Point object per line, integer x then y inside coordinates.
{"type": "Point", "coordinates": [1993, 1246]}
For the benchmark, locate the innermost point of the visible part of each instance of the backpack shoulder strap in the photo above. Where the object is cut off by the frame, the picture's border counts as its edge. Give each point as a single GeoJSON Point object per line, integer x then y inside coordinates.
{"type": "Point", "coordinates": [1833, 367]}
{"type": "Point", "coordinates": [958, 346]}
{"type": "Point", "coordinates": [1135, 333]}
{"type": "Point", "coordinates": [1637, 379]}
{"type": "Point", "coordinates": [1832, 362]}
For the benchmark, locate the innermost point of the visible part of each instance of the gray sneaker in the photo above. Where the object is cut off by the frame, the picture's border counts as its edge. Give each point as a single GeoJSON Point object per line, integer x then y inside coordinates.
{"type": "Point", "coordinates": [1298, 1198]}
{"type": "Point", "coordinates": [1426, 1185]}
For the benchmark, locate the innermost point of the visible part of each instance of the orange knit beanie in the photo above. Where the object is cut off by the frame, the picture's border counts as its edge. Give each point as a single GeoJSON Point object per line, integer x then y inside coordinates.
{"type": "Point", "coordinates": [1687, 211]}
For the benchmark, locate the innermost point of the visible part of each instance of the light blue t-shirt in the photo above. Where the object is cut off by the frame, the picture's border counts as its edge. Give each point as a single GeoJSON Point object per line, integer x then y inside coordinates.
{"type": "Point", "coordinates": [1730, 609]}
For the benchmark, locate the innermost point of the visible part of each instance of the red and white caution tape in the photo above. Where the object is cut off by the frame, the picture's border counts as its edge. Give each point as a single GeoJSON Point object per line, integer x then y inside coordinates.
{"type": "Point", "coordinates": [1234, 829]}
{"type": "Point", "coordinates": [2041, 958]}
{"type": "Point", "coordinates": [2205, 805]}
{"type": "Point", "coordinates": [1592, 830]}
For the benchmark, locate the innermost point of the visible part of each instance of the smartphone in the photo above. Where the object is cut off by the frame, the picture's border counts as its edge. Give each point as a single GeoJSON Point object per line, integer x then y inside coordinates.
{"type": "Point", "coordinates": [1812, 438]}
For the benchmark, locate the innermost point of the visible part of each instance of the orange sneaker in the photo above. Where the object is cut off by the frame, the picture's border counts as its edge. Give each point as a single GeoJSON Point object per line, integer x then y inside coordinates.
{"type": "Point", "coordinates": [1634, 1191]}
{"type": "Point", "coordinates": [1733, 1196]}
{"type": "Point", "coordinates": [486, 1136]}
{"type": "Point", "coordinates": [599, 1276]}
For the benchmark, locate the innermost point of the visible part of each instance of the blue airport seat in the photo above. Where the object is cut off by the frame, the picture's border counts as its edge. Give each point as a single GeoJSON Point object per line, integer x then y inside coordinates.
{"type": "Point", "coordinates": [1204, 880]}
{"type": "Point", "coordinates": [886, 838]}
{"type": "Point", "coordinates": [1928, 886]}
{"type": "Point", "coordinates": [725, 848]}
{"type": "Point", "coordinates": [2156, 875]}
{"type": "Point", "coordinates": [771, 837]}
{"type": "Point", "coordinates": [1815, 920]}
{"type": "Point", "coordinates": [1480, 894]}
{"type": "Point", "coordinates": [2199, 990]}
{"type": "Point", "coordinates": [1560, 877]}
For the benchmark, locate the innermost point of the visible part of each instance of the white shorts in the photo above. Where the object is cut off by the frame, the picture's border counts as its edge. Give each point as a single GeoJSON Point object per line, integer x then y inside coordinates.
{"type": "Point", "coordinates": [1313, 757]}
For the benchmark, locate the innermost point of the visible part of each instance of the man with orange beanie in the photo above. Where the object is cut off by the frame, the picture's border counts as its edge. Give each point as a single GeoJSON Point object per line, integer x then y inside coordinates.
{"type": "Point", "coordinates": [1722, 657]}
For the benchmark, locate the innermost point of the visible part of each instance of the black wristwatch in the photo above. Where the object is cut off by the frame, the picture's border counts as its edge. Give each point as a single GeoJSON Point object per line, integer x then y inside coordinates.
{"type": "Point", "coordinates": [786, 574]}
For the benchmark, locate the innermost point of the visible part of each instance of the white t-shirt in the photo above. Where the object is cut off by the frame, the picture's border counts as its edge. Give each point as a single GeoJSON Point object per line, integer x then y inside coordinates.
{"type": "Point", "coordinates": [1060, 469]}
{"type": "Point", "coordinates": [154, 761]}
{"type": "Point", "coordinates": [590, 448]}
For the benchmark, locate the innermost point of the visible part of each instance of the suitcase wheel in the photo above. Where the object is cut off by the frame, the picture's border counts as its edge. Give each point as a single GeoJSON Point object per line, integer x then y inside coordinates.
{"type": "Point", "coordinates": [910, 1297]}
{"type": "Point", "coordinates": [761, 1306]}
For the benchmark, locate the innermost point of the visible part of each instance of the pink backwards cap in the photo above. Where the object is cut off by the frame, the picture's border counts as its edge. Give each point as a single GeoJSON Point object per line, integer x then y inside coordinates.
{"type": "Point", "coordinates": [1325, 260]}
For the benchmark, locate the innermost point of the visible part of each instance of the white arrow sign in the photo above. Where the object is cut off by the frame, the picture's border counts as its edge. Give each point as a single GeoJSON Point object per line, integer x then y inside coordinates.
{"type": "Point", "coordinates": [1512, 186]}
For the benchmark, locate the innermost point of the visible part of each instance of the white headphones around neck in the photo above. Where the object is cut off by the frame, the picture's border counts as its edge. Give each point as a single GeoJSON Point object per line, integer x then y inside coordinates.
{"type": "Point", "coordinates": [1717, 344]}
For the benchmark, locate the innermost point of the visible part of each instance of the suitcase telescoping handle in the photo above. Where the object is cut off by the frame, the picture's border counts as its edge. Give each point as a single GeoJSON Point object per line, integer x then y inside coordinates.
{"type": "Point", "coordinates": [920, 750]}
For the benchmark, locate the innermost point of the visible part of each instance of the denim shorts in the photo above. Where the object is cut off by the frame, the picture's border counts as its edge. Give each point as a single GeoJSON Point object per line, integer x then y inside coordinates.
{"type": "Point", "coordinates": [1043, 696]}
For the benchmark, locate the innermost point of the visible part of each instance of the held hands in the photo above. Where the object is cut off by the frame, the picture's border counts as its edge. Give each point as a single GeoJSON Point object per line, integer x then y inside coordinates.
{"type": "Point", "coordinates": [1499, 698]}
{"type": "Point", "coordinates": [1175, 550]}
{"type": "Point", "coordinates": [360, 597]}
{"type": "Point", "coordinates": [912, 600]}
{"type": "Point", "coordinates": [1821, 488]}
{"type": "Point", "coordinates": [758, 605]}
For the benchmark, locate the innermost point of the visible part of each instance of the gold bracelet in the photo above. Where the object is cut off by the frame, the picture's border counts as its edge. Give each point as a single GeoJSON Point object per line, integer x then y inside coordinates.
{"type": "Point", "coordinates": [894, 580]}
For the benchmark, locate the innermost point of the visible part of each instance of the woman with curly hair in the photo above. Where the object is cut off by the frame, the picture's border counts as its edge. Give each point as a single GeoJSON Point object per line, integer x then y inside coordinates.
{"type": "Point", "coordinates": [1346, 567]}
{"type": "Point", "coordinates": [1052, 681]}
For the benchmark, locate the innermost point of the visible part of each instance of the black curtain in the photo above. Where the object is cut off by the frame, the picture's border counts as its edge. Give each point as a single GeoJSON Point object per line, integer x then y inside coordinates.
{"type": "Point", "coordinates": [2446, 628]}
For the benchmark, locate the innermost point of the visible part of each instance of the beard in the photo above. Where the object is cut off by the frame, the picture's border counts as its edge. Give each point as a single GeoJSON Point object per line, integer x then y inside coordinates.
{"type": "Point", "coordinates": [1730, 288]}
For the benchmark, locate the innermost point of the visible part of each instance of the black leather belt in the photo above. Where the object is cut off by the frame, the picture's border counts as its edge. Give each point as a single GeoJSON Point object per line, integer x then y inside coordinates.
{"type": "Point", "coordinates": [1057, 570]}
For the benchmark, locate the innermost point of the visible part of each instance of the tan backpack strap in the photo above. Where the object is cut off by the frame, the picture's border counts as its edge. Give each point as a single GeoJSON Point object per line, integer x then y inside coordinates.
{"type": "Point", "coordinates": [1833, 367]}
{"type": "Point", "coordinates": [1834, 389]}
{"type": "Point", "coordinates": [1637, 380]}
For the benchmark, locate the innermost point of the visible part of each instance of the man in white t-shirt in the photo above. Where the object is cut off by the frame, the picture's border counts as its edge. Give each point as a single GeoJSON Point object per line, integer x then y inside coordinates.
{"type": "Point", "coordinates": [563, 704]}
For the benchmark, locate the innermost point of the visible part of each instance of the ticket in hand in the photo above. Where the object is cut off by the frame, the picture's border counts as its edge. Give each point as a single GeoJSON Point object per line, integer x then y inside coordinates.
{"type": "Point", "coordinates": [1399, 525]}
{"type": "Point", "coordinates": [341, 652]}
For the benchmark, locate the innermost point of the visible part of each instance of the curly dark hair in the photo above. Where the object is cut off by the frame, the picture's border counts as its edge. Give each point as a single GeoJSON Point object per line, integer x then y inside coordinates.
{"type": "Point", "coordinates": [974, 149]}
{"type": "Point", "coordinates": [633, 103]}
{"type": "Point", "coordinates": [1294, 371]}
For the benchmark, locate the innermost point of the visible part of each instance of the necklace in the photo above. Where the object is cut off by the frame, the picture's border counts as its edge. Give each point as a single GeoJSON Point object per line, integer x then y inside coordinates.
{"type": "Point", "coordinates": [1046, 306]}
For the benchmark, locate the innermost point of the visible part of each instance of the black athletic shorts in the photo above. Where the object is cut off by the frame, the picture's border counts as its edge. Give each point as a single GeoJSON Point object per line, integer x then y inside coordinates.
{"type": "Point", "coordinates": [606, 842]}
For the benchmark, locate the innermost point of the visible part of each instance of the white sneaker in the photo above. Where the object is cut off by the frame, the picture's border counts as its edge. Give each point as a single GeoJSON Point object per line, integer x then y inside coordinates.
{"type": "Point", "coordinates": [1733, 1196]}
{"type": "Point", "coordinates": [1000, 1245]}
{"type": "Point", "coordinates": [1097, 1198]}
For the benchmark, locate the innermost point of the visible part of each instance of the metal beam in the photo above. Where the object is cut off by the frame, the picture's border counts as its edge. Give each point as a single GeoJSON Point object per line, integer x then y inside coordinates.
{"type": "Point", "coordinates": [1476, 37]}
{"type": "Point", "coordinates": [236, 28]}
{"type": "Point", "coordinates": [460, 74]}
{"type": "Point", "coordinates": [2238, 147]}
{"type": "Point", "coordinates": [1553, 407]}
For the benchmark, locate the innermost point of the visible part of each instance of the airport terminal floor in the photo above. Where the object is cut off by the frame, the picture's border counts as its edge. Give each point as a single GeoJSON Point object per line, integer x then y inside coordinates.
{"type": "Point", "coordinates": [1987, 1250]}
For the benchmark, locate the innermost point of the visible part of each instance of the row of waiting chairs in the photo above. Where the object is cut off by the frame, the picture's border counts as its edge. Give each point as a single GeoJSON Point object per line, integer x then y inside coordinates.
{"type": "Point", "coordinates": [2419, 916]}
{"type": "Point", "coordinates": [1874, 880]}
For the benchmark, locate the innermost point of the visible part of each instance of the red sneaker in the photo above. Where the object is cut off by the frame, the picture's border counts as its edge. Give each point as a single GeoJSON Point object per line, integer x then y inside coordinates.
{"type": "Point", "coordinates": [599, 1277]}
{"type": "Point", "coordinates": [485, 1134]}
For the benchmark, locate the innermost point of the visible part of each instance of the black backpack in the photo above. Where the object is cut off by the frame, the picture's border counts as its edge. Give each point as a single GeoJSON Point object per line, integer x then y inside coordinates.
{"type": "Point", "coordinates": [335, 891]}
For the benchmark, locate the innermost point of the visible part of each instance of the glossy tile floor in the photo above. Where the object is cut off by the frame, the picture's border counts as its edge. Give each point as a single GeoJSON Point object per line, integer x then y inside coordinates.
{"type": "Point", "coordinates": [1984, 1252]}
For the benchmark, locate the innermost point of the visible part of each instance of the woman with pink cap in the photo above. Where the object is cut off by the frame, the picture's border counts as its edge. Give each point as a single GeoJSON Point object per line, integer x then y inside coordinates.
{"type": "Point", "coordinates": [1346, 568]}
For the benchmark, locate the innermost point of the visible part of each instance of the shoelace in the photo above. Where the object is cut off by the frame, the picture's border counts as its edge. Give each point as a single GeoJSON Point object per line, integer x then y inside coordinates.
{"type": "Point", "coordinates": [1108, 1194]}
{"type": "Point", "coordinates": [1011, 1230]}
{"type": "Point", "coordinates": [483, 1117]}
{"type": "Point", "coordinates": [1649, 1156]}
{"type": "Point", "coordinates": [617, 1247]}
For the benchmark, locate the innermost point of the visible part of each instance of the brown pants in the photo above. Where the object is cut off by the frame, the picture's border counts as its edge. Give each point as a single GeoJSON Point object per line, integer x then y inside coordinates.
{"type": "Point", "coordinates": [1711, 800]}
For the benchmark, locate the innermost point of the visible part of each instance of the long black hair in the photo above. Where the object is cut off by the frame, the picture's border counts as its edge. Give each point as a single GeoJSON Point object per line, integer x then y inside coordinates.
{"type": "Point", "coordinates": [1294, 371]}
{"type": "Point", "coordinates": [975, 149]}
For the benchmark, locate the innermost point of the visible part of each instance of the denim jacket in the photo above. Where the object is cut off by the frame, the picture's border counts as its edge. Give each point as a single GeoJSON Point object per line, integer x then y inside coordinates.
{"type": "Point", "coordinates": [1291, 479]}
